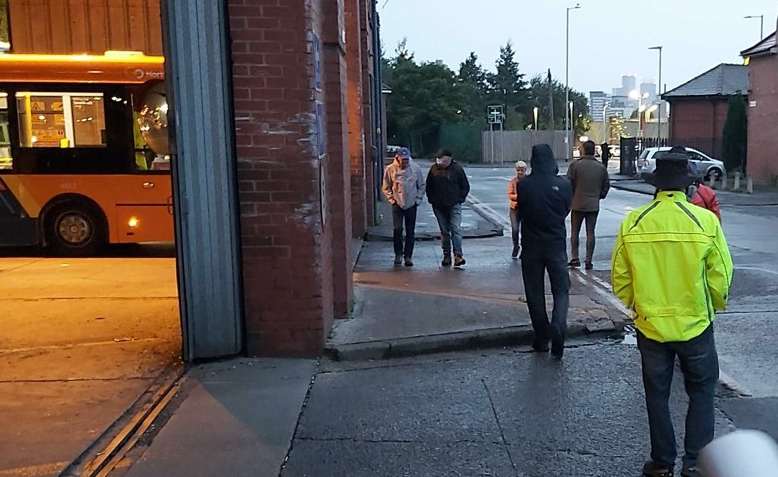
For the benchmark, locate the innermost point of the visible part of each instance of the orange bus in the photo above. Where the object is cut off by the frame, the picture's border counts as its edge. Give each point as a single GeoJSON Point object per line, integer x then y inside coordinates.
{"type": "Point", "coordinates": [83, 159]}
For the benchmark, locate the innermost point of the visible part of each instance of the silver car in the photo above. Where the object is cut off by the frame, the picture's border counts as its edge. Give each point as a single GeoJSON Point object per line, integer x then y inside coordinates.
{"type": "Point", "coordinates": [701, 165]}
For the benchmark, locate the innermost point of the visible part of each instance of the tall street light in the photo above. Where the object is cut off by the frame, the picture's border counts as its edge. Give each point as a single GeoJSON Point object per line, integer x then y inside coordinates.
{"type": "Point", "coordinates": [659, 113]}
{"type": "Point", "coordinates": [535, 113]}
{"type": "Point", "coordinates": [761, 24]}
{"type": "Point", "coordinates": [568, 119]}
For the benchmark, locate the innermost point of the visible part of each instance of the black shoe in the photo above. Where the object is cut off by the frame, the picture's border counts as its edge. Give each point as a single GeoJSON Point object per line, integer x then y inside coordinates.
{"type": "Point", "coordinates": [652, 469]}
{"type": "Point", "coordinates": [515, 252]}
{"type": "Point", "coordinates": [589, 266]}
{"type": "Point", "coordinates": [446, 261]}
{"type": "Point", "coordinates": [690, 471]}
{"type": "Point", "coordinates": [408, 262]}
{"type": "Point", "coordinates": [398, 260]}
{"type": "Point", "coordinates": [557, 351]}
{"type": "Point", "coordinates": [574, 263]}
{"type": "Point", "coordinates": [459, 260]}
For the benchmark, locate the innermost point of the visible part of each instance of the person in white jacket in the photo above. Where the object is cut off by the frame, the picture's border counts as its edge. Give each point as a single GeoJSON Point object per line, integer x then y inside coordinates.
{"type": "Point", "coordinates": [403, 187]}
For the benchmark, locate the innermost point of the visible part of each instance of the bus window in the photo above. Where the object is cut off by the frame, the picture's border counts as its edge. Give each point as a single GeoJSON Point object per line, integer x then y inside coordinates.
{"type": "Point", "coordinates": [61, 120]}
{"type": "Point", "coordinates": [5, 139]}
{"type": "Point", "coordinates": [88, 120]}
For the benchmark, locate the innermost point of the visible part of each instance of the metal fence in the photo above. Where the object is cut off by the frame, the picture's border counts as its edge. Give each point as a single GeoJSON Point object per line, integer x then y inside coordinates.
{"type": "Point", "coordinates": [510, 146]}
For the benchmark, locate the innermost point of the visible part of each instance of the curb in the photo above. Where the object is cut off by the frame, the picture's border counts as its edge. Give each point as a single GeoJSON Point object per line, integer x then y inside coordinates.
{"type": "Point", "coordinates": [617, 185]}
{"type": "Point", "coordinates": [457, 341]}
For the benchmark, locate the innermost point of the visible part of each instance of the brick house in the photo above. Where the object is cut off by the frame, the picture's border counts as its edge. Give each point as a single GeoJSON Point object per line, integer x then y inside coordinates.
{"type": "Point", "coordinates": [698, 108]}
{"type": "Point", "coordinates": [762, 60]}
{"type": "Point", "coordinates": [281, 180]}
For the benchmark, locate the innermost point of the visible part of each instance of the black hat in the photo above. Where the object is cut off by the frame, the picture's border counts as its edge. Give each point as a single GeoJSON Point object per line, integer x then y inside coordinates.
{"type": "Point", "coordinates": [672, 172]}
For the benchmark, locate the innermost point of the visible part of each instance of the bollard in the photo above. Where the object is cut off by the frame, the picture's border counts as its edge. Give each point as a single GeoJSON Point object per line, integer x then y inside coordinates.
{"type": "Point", "coordinates": [736, 186]}
{"type": "Point", "coordinates": [749, 184]}
{"type": "Point", "coordinates": [724, 182]}
{"type": "Point", "coordinates": [742, 453]}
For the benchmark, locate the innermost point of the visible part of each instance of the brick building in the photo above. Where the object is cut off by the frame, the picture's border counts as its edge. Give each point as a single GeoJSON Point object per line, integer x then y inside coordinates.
{"type": "Point", "coordinates": [698, 108]}
{"type": "Point", "coordinates": [277, 113]}
{"type": "Point", "coordinates": [762, 60]}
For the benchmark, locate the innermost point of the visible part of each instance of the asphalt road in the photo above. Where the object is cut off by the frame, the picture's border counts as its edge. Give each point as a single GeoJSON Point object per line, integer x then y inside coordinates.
{"type": "Point", "coordinates": [747, 333]}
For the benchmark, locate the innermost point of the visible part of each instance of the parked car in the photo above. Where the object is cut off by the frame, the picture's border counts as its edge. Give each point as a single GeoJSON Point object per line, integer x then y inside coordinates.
{"type": "Point", "coordinates": [701, 165]}
{"type": "Point", "coordinates": [392, 150]}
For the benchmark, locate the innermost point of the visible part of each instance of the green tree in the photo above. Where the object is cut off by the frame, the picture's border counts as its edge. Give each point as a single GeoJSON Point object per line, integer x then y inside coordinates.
{"type": "Point", "coordinates": [538, 97]}
{"type": "Point", "coordinates": [735, 135]}
{"type": "Point", "coordinates": [424, 96]}
{"type": "Point", "coordinates": [508, 87]}
{"type": "Point", "coordinates": [475, 88]}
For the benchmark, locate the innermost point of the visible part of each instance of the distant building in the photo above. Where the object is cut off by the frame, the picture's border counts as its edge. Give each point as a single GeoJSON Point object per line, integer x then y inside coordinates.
{"type": "Point", "coordinates": [628, 84]}
{"type": "Point", "coordinates": [597, 102]}
{"type": "Point", "coordinates": [648, 88]}
{"type": "Point", "coordinates": [699, 107]}
{"type": "Point", "coordinates": [762, 60]}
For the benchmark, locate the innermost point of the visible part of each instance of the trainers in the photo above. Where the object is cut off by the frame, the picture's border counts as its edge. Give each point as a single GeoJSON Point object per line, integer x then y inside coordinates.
{"type": "Point", "coordinates": [446, 261]}
{"type": "Point", "coordinates": [690, 471]}
{"type": "Point", "coordinates": [515, 252]}
{"type": "Point", "coordinates": [574, 263]}
{"type": "Point", "coordinates": [589, 266]}
{"type": "Point", "coordinates": [408, 262]}
{"type": "Point", "coordinates": [459, 260]}
{"type": "Point", "coordinates": [398, 260]}
{"type": "Point", "coordinates": [652, 469]}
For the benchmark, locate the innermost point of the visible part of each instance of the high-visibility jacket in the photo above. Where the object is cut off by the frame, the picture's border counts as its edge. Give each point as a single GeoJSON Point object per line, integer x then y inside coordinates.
{"type": "Point", "coordinates": [672, 267]}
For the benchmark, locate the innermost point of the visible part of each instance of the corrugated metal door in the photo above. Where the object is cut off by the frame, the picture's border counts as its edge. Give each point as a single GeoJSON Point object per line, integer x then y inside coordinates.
{"type": "Point", "coordinates": [207, 227]}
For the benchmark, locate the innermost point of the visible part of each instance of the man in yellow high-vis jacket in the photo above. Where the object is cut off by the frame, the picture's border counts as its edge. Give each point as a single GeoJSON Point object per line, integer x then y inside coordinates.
{"type": "Point", "coordinates": [672, 267]}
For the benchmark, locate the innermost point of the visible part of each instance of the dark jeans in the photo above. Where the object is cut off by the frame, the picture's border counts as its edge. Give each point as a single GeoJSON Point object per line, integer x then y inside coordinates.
{"type": "Point", "coordinates": [700, 367]}
{"type": "Point", "coordinates": [450, 223]}
{"type": "Point", "coordinates": [576, 220]}
{"type": "Point", "coordinates": [407, 216]}
{"type": "Point", "coordinates": [515, 223]}
{"type": "Point", "coordinates": [534, 265]}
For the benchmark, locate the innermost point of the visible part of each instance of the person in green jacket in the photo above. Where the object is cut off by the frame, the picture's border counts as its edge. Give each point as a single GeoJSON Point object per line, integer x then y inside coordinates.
{"type": "Point", "coordinates": [672, 267]}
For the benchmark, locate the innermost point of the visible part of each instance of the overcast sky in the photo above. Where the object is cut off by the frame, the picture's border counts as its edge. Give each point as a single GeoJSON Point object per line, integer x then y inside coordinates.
{"type": "Point", "coordinates": [608, 38]}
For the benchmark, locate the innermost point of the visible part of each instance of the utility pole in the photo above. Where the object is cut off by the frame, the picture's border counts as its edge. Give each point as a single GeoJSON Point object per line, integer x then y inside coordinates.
{"type": "Point", "coordinates": [659, 85]}
{"type": "Point", "coordinates": [568, 119]}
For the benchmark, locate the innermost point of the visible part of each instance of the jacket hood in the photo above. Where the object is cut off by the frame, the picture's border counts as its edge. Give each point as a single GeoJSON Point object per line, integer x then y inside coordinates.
{"type": "Point", "coordinates": [543, 161]}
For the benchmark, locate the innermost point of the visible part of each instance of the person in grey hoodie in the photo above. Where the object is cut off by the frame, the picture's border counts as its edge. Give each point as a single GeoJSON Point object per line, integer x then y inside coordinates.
{"type": "Point", "coordinates": [403, 187]}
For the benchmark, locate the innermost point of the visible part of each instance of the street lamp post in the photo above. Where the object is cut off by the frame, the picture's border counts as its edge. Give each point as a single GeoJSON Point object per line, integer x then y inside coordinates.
{"type": "Point", "coordinates": [535, 114]}
{"type": "Point", "coordinates": [568, 119]}
{"type": "Point", "coordinates": [761, 24]}
{"type": "Point", "coordinates": [659, 112]}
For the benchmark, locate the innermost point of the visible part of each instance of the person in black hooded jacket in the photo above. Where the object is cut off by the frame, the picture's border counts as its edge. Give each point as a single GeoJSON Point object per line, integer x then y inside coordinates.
{"type": "Point", "coordinates": [545, 203]}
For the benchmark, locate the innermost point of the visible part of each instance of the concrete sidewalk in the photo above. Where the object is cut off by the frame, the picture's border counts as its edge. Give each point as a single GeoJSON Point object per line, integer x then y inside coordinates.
{"type": "Point", "coordinates": [401, 311]}
{"type": "Point", "coordinates": [765, 197]}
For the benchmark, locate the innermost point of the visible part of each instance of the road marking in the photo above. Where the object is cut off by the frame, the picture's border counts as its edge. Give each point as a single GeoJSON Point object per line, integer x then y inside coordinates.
{"type": "Point", "coordinates": [489, 213]}
{"type": "Point", "coordinates": [602, 290]}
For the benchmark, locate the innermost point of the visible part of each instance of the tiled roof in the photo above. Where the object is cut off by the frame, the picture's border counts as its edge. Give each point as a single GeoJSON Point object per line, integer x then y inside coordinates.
{"type": "Point", "coordinates": [767, 45]}
{"type": "Point", "coordinates": [722, 80]}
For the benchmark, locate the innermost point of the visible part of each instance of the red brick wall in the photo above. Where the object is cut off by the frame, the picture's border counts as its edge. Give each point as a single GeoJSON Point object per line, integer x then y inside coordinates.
{"type": "Point", "coordinates": [356, 131]}
{"type": "Point", "coordinates": [368, 77]}
{"type": "Point", "coordinates": [339, 170]}
{"type": "Point", "coordinates": [287, 262]}
{"type": "Point", "coordinates": [763, 120]}
{"type": "Point", "coordinates": [699, 123]}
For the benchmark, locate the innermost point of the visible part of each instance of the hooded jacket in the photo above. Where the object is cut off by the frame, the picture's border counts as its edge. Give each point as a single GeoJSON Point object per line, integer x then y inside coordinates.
{"type": "Point", "coordinates": [403, 187]}
{"type": "Point", "coordinates": [545, 203]}
{"type": "Point", "coordinates": [447, 186]}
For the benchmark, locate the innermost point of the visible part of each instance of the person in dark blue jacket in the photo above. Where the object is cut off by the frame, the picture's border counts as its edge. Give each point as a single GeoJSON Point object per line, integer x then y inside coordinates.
{"type": "Point", "coordinates": [545, 203]}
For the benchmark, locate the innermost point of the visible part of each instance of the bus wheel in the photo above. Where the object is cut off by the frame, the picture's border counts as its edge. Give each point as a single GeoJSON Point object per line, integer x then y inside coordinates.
{"type": "Point", "coordinates": [75, 229]}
